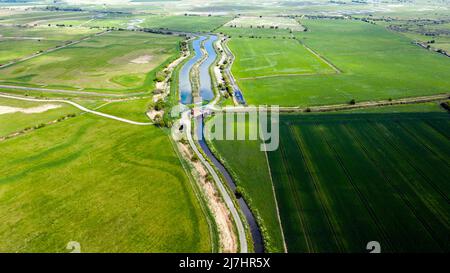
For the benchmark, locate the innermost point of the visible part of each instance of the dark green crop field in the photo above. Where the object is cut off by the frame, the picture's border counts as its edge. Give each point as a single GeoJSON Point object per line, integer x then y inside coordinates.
{"type": "Point", "coordinates": [344, 180]}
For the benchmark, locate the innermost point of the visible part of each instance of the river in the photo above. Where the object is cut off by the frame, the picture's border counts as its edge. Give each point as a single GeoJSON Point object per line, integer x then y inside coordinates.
{"type": "Point", "coordinates": [184, 79]}
{"type": "Point", "coordinates": [207, 94]}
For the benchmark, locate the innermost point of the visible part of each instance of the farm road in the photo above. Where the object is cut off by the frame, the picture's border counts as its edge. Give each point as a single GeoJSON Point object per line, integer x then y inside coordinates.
{"type": "Point", "coordinates": [82, 108]}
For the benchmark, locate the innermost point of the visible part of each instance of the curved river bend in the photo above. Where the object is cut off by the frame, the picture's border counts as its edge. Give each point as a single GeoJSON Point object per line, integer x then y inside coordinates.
{"type": "Point", "coordinates": [184, 79]}
{"type": "Point", "coordinates": [207, 94]}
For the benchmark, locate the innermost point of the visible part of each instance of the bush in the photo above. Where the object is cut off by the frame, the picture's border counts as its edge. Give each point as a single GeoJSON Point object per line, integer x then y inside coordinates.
{"type": "Point", "coordinates": [238, 192]}
{"type": "Point", "coordinates": [352, 102]}
{"type": "Point", "coordinates": [159, 121]}
{"type": "Point", "coordinates": [39, 126]}
{"type": "Point", "coordinates": [194, 158]}
{"type": "Point", "coordinates": [208, 178]}
{"type": "Point", "coordinates": [159, 105]}
{"type": "Point", "coordinates": [160, 76]}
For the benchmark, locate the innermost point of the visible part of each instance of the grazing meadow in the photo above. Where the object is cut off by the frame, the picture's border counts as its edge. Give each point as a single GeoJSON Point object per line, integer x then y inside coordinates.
{"type": "Point", "coordinates": [35, 117]}
{"type": "Point", "coordinates": [111, 186]}
{"type": "Point", "coordinates": [269, 22]}
{"type": "Point", "coordinates": [124, 61]}
{"type": "Point", "coordinates": [21, 42]}
{"type": "Point", "coordinates": [185, 23]}
{"type": "Point", "coordinates": [259, 58]}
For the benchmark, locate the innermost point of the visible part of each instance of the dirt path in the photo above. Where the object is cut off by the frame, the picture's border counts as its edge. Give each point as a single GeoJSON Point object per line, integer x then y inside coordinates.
{"type": "Point", "coordinates": [82, 108]}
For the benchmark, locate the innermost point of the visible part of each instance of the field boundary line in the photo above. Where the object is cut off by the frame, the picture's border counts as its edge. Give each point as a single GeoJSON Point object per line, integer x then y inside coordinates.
{"type": "Point", "coordinates": [343, 107]}
{"type": "Point", "coordinates": [276, 201]}
{"type": "Point", "coordinates": [82, 108]}
{"type": "Point", "coordinates": [320, 57]}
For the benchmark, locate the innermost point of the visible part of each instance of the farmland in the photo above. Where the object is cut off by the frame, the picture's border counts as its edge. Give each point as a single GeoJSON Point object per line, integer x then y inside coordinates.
{"type": "Point", "coordinates": [90, 107]}
{"type": "Point", "coordinates": [254, 32]}
{"type": "Point", "coordinates": [376, 64]}
{"type": "Point", "coordinates": [111, 186]}
{"type": "Point", "coordinates": [266, 22]}
{"type": "Point", "coordinates": [38, 17]}
{"type": "Point", "coordinates": [123, 61]}
{"type": "Point", "coordinates": [344, 180]}
{"type": "Point", "coordinates": [28, 120]}
{"type": "Point", "coordinates": [256, 185]}
{"type": "Point", "coordinates": [185, 23]}
{"type": "Point", "coordinates": [20, 42]}
{"type": "Point", "coordinates": [271, 58]}
{"type": "Point", "coordinates": [133, 109]}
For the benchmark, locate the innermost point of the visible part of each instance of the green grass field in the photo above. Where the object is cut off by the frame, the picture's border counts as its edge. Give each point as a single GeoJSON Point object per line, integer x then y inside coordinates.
{"type": "Point", "coordinates": [375, 63]}
{"type": "Point", "coordinates": [38, 17]}
{"type": "Point", "coordinates": [110, 186]}
{"type": "Point", "coordinates": [344, 180]}
{"type": "Point", "coordinates": [100, 20]}
{"type": "Point", "coordinates": [16, 43]}
{"type": "Point", "coordinates": [274, 57]}
{"type": "Point", "coordinates": [270, 22]}
{"type": "Point", "coordinates": [254, 32]}
{"type": "Point", "coordinates": [23, 121]}
{"type": "Point", "coordinates": [437, 36]}
{"type": "Point", "coordinates": [134, 109]}
{"type": "Point", "coordinates": [123, 61]}
{"type": "Point", "coordinates": [185, 23]}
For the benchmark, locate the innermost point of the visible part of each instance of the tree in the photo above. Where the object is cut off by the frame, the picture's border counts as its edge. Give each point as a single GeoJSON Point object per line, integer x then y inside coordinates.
{"type": "Point", "coordinates": [352, 102]}
{"type": "Point", "coordinates": [194, 158]}
{"type": "Point", "coordinates": [159, 121]}
{"type": "Point", "coordinates": [159, 105]}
